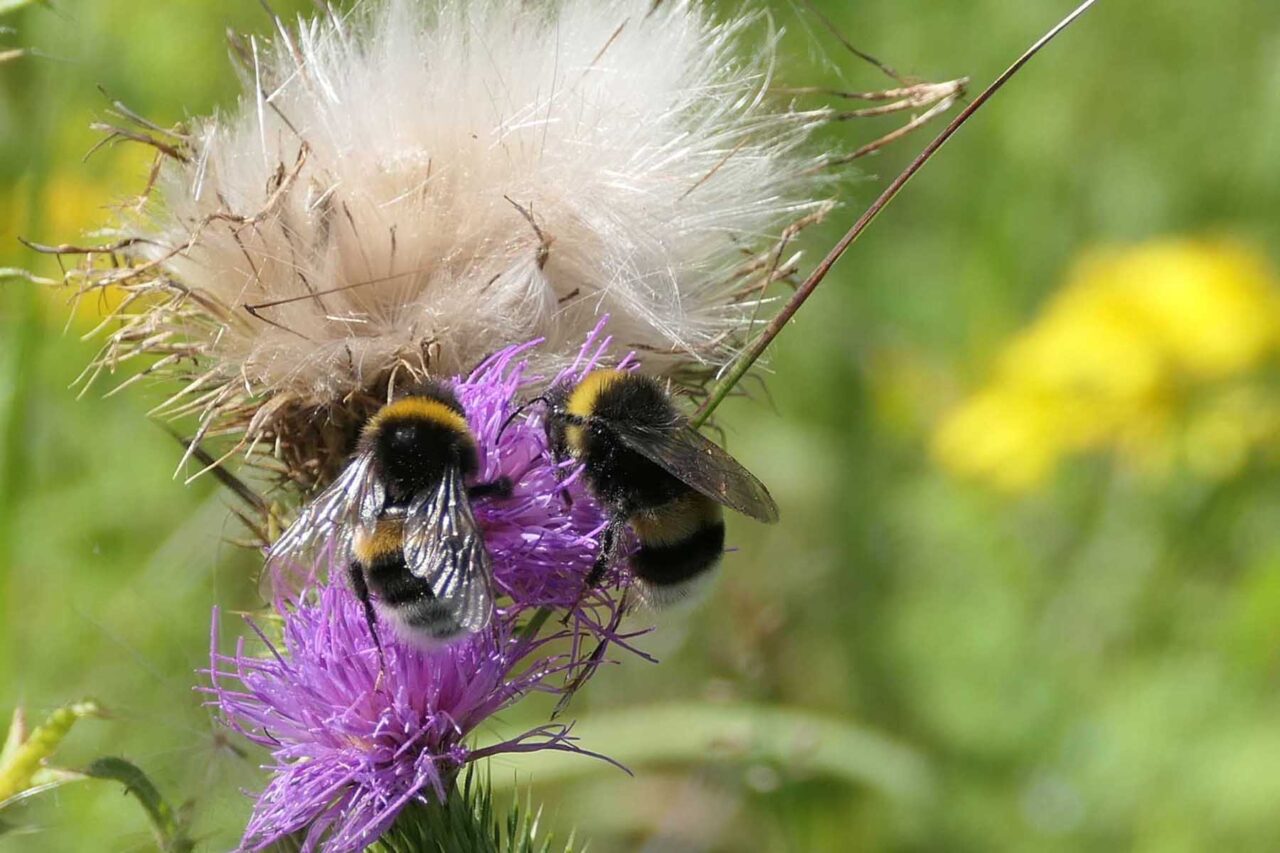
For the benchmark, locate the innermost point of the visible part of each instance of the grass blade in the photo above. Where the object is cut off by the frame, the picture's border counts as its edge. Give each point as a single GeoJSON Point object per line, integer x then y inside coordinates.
{"type": "Point", "coordinates": [170, 833]}
{"type": "Point", "coordinates": [687, 733]}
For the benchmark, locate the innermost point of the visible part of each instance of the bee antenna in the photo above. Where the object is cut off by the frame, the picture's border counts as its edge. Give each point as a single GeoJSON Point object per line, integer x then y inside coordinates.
{"type": "Point", "coordinates": [519, 409]}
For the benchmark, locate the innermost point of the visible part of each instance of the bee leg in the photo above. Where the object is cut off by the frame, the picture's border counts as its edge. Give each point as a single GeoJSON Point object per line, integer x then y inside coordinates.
{"type": "Point", "coordinates": [565, 495]}
{"type": "Point", "coordinates": [608, 548]}
{"type": "Point", "coordinates": [499, 488]}
{"type": "Point", "coordinates": [356, 573]}
{"type": "Point", "coordinates": [589, 667]}
{"type": "Point", "coordinates": [559, 453]}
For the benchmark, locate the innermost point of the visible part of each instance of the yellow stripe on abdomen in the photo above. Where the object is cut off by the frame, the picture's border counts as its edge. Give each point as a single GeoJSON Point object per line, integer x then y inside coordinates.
{"type": "Point", "coordinates": [676, 520]}
{"type": "Point", "coordinates": [387, 537]}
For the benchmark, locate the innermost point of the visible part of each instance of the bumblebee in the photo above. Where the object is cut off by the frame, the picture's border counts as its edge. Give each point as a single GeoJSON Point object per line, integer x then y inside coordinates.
{"type": "Point", "coordinates": [400, 513]}
{"type": "Point", "coordinates": [655, 473]}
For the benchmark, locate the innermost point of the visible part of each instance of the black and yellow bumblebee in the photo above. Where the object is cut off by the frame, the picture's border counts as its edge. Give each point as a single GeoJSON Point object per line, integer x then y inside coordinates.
{"type": "Point", "coordinates": [400, 513]}
{"type": "Point", "coordinates": [652, 471]}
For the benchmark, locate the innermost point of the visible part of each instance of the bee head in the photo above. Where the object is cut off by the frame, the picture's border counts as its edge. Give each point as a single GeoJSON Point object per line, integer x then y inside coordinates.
{"type": "Point", "coordinates": [417, 439]}
{"type": "Point", "coordinates": [553, 400]}
{"type": "Point", "coordinates": [557, 411]}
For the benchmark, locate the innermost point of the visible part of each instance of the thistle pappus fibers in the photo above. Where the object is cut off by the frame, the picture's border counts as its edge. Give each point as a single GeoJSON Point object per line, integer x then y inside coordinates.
{"type": "Point", "coordinates": [404, 190]}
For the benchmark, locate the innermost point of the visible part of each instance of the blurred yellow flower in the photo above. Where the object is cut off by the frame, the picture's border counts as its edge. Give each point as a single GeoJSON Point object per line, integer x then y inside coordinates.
{"type": "Point", "coordinates": [1212, 309]}
{"type": "Point", "coordinates": [1002, 435]}
{"type": "Point", "coordinates": [1130, 355]}
{"type": "Point", "coordinates": [73, 204]}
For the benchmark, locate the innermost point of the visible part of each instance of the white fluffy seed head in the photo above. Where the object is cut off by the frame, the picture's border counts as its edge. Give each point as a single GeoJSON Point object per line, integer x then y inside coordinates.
{"type": "Point", "coordinates": [405, 190]}
{"type": "Point", "coordinates": [415, 187]}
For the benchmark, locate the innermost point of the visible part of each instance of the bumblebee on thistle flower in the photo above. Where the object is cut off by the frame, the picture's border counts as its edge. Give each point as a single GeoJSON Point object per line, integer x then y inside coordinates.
{"type": "Point", "coordinates": [405, 192]}
{"type": "Point", "coordinates": [360, 727]}
{"type": "Point", "coordinates": [412, 189]}
{"type": "Point", "coordinates": [409, 190]}
{"type": "Point", "coordinates": [402, 510]}
{"type": "Point", "coordinates": [655, 474]}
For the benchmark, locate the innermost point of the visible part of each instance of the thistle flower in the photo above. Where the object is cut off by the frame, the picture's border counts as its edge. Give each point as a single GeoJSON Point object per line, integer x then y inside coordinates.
{"type": "Point", "coordinates": [354, 742]}
{"type": "Point", "coordinates": [543, 539]}
{"type": "Point", "coordinates": [403, 191]}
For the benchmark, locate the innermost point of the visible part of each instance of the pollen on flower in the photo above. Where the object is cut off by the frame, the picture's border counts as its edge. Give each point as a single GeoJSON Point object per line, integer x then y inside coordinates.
{"type": "Point", "coordinates": [406, 190]}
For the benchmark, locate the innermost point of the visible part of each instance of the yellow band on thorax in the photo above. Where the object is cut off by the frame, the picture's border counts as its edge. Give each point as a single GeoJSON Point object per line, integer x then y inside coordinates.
{"type": "Point", "coordinates": [421, 408]}
{"type": "Point", "coordinates": [582, 402]}
{"type": "Point", "coordinates": [583, 399]}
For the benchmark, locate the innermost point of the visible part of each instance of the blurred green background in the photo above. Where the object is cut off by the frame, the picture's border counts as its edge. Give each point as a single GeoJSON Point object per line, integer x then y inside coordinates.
{"type": "Point", "coordinates": [1019, 600]}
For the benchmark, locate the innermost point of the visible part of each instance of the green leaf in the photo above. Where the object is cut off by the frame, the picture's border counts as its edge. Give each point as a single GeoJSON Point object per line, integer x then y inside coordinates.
{"type": "Point", "coordinates": [170, 832]}
{"type": "Point", "coordinates": [795, 741]}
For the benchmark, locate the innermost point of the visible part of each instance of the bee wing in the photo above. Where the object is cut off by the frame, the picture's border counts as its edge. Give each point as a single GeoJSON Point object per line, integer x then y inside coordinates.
{"type": "Point", "coordinates": [356, 497]}
{"type": "Point", "coordinates": [443, 545]}
{"type": "Point", "coordinates": [700, 464]}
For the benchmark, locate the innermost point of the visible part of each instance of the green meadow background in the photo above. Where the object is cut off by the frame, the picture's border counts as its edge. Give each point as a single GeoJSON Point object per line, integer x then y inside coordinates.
{"type": "Point", "coordinates": [919, 656]}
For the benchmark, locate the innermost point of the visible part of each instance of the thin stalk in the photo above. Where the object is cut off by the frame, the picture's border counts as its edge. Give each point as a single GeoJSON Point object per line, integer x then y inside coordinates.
{"type": "Point", "coordinates": [748, 358]}
{"type": "Point", "coordinates": [19, 358]}
{"type": "Point", "coordinates": [15, 395]}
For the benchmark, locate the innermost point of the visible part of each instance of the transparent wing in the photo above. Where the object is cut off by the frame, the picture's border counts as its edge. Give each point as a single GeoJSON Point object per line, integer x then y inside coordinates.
{"type": "Point", "coordinates": [700, 464]}
{"type": "Point", "coordinates": [443, 545]}
{"type": "Point", "coordinates": [329, 520]}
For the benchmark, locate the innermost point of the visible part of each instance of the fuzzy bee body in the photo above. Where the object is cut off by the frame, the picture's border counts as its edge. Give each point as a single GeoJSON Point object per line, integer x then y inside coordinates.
{"type": "Point", "coordinates": [379, 572]}
{"type": "Point", "coordinates": [401, 511]}
{"type": "Point", "coordinates": [656, 474]}
{"type": "Point", "coordinates": [681, 543]}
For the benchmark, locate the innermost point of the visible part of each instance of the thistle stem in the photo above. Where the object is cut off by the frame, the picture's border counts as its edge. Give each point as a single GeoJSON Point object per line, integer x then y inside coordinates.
{"type": "Point", "coordinates": [531, 629]}
{"type": "Point", "coordinates": [748, 358]}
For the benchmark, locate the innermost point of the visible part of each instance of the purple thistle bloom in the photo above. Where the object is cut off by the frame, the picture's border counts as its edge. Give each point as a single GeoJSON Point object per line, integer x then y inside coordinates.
{"type": "Point", "coordinates": [544, 539]}
{"type": "Point", "coordinates": [352, 742]}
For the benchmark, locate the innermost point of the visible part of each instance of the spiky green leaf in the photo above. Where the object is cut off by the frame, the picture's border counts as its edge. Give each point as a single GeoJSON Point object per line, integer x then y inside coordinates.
{"type": "Point", "coordinates": [24, 754]}
{"type": "Point", "coordinates": [469, 822]}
